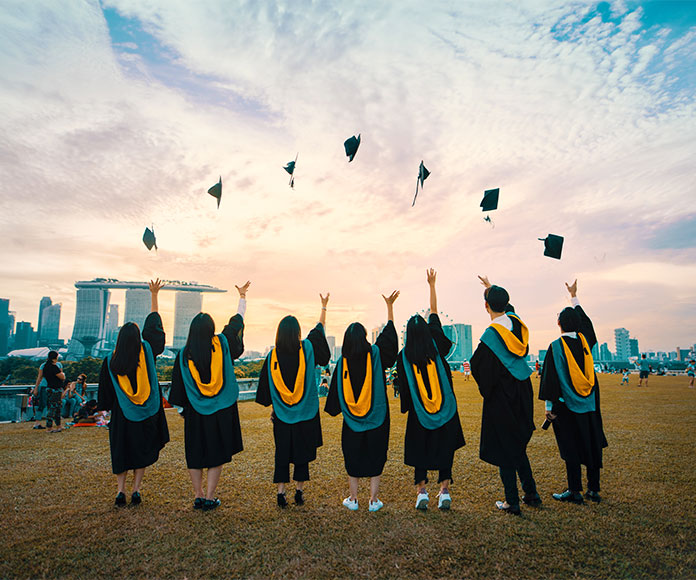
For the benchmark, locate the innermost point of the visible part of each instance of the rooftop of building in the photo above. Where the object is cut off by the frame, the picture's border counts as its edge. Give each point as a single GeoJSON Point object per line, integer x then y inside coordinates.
{"type": "Point", "coordinates": [177, 285]}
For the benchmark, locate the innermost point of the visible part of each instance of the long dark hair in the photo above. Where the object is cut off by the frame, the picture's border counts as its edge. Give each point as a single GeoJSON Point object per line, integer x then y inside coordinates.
{"type": "Point", "coordinates": [199, 344]}
{"type": "Point", "coordinates": [419, 347]}
{"type": "Point", "coordinates": [126, 355]}
{"type": "Point", "coordinates": [288, 335]}
{"type": "Point", "coordinates": [355, 341]}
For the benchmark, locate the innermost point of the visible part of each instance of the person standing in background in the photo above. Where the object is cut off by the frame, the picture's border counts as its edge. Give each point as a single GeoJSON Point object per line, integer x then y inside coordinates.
{"type": "Point", "coordinates": [644, 371]}
{"type": "Point", "coordinates": [54, 376]}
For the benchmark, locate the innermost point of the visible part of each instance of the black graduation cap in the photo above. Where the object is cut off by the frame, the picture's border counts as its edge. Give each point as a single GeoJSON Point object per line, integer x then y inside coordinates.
{"type": "Point", "coordinates": [216, 191]}
{"type": "Point", "coordinates": [149, 238]}
{"type": "Point", "coordinates": [490, 199]}
{"type": "Point", "coordinates": [351, 145]}
{"type": "Point", "coordinates": [553, 245]}
{"type": "Point", "coordinates": [290, 168]}
{"type": "Point", "coordinates": [422, 176]}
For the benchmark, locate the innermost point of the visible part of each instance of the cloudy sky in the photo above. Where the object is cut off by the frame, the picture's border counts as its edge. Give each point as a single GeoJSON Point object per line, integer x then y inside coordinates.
{"type": "Point", "coordinates": [122, 113]}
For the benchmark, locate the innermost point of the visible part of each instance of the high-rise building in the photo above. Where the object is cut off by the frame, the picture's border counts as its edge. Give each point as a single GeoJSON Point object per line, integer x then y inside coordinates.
{"type": "Point", "coordinates": [138, 305]}
{"type": "Point", "coordinates": [43, 304]}
{"type": "Point", "coordinates": [376, 331]}
{"type": "Point", "coordinates": [542, 355]}
{"type": "Point", "coordinates": [90, 317]}
{"type": "Point", "coordinates": [50, 325]}
{"type": "Point", "coordinates": [332, 345]}
{"type": "Point", "coordinates": [683, 354]}
{"type": "Point", "coordinates": [460, 334]}
{"type": "Point", "coordinates": [595, 352]}
{"type": "Point", "coordinates": [5, 328]}
{"type": "Point", "coordinates": [186, 306]}
{"type": "Point", "coordinates": [604, 353]}
{"type": "Point", "coordinates": [24, 336]}
{"type": "Point", "coordinates": [633, 347]}
{"type": "Point", "coordinates": [623, 347]}
{"type": "Point", "coordinates": [111, 331]}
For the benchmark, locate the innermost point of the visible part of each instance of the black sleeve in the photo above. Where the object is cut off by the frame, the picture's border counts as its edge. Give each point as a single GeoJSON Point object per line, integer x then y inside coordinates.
{"type": "Point", "coordinates": [322, 352]}
{"type": "Point", "coordinates": [105, 392]}
{"type": "Point", "coordinates": [263, 391]}
{"type": "Point", "coordinates": [586, 327]}
{"type": "Point", "coordinates": [234, 333]}
{"type": "Point", "coordinates": [404, 391]}
{"type": "Point", "coordinates": [549, 387]}
{"type": "Point", "coordinates": [153, 332]}
{"type": "Point", "coordinates": [333, 405]}
{"type": "Point", "coordinates": [388, 344]}
{"type": "Point", "coordinates": [177, 392]}
{"type": "Point", "coordinates": [484, 369]}
{"type": "Point", "coordinates": [443, 343]}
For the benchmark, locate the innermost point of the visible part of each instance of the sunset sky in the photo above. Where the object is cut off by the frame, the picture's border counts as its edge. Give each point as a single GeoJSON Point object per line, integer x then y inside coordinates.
{"type": "Point", "coordinates": [122, 113]}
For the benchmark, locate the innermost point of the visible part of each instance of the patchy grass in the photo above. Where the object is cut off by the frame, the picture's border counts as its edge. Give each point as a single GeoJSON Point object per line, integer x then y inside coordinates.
{"type": "Point", "coordinates": [56, 494]}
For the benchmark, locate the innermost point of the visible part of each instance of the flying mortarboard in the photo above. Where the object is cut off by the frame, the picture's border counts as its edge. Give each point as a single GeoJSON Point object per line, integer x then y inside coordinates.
{"type": "Point", "coordinates": [216, 191]}
{"type": "Point", "coordinates": [351, 145]}
{"type": "Point", "coordinates": [422, 176]}
{"type": "Point", "coordinates": [490, 199]}
{"type": "Point", "coordinates": [553, 245]}
{"type": "Point", "coordinates": [149, 238]}
{"type": "Point", "coordinates": [290, 168]}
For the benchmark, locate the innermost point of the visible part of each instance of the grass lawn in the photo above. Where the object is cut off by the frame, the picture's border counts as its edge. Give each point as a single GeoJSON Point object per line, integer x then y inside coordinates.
{"type": "Point", "coordinates": [57, 519]}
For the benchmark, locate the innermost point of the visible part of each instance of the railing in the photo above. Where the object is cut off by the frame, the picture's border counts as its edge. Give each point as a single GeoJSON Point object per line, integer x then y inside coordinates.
{"type": "Point", "coordinates": [14, 398]}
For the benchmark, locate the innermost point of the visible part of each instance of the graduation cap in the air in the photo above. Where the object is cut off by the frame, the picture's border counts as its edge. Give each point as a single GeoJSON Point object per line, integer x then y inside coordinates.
{"type": "Point", "coordinates": [351, 145]}
{"type": "Point", "coordinates": [422, 176]}
{"type": "Point", "coordinates": [216, 191]}
{"type": "Point", "coordinates": [553, 245]}
{"type": "Point", "coordinates": [149, 238]}
{"type": "Point", "coordinates": [290, 168]}
{"type": "Point", "coordinates": [490, 200]}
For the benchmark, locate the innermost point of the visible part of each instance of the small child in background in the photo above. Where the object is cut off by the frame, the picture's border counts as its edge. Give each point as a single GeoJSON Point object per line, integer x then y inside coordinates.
{"type": "Point", "coordinates": [625, 377]}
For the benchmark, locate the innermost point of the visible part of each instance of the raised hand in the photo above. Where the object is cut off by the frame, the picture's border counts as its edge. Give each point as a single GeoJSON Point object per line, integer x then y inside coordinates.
{"type": "Point", "coordinates": [156, 286]}
{"type": "Point", "coordinates": [431, 274]}
{"type": "Point", "coordinates": [484, 281]}
{"type": "Point", "coordinates": [573, 288]}
{"type": "Point", "coordinates": [243, 289]}
{"type": "Point", "coordinates": [392, 297]}
{"type": "Point", "coordinates": [324, 299]}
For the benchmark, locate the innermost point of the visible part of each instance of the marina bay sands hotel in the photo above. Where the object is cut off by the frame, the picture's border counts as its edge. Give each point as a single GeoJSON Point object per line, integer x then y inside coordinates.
{"type": "Point", "coordinates": [95, 324]}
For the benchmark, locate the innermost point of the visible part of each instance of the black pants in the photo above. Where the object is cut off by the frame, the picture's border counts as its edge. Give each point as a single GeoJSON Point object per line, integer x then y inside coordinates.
{"type": "Point", "coordinates": [508, 475]}
{"type": "Point", "coordinates": [574, 474]}
{"type": "Point", "coordinates": [282, 473]}
{"type": "Point", "coordinates": [421, 474]}
{"type": "Point", "coordinates": [55, 400]}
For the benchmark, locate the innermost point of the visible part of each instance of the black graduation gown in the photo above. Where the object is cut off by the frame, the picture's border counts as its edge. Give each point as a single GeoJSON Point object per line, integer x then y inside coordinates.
{"type": "Point", "coordinates": [365, 452]}
{"type": "Point", "coordinates": [580, 436]}
{"type": "Point", "coordinates": [134, 444]}
{"type": "Point", "coordinates": [507, 420]}
{"type": "Point", "coordinates": [210, 440]}
{"type": "Point", "coordinates": [429, 448]}
{"type": "Point", "coordinates": [295, 442]}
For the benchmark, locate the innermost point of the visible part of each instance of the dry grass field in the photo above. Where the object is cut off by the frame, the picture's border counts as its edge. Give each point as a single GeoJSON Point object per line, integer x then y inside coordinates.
{"type": "Point", "coordinates": [56, 495]}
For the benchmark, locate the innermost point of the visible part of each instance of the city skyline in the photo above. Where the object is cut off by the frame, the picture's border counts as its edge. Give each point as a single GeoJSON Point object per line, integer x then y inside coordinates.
{"type": "Point", "coordinates": [120, 115]}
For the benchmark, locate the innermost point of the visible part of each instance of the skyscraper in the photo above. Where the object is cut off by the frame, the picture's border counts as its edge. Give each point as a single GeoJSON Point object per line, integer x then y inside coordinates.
{"type": "Point", "coordinates": [111, 324]}
{"type": "Point", "coordinates": [633, 346]}
{"type": "Point", "coordinates": [623, 347]}
{"type": "Point", "coordinates": [50, 325]}
{"type": "Point", "coordinates": [332, 345]}
{"type": "Point", "coordinates": [43, 304]}
{"type": "Point", "coordinates": [24, 336]}
{"type": "Point", "coordinates": [460, 334]}
{"type": "Point", "coordinates": [4, 326]}
{"type": "Point", "coordinates": [138, 304]}
{"type": "Point", "coordinates": [90, 316]}
{"type": "Point", "coordinates": [604, 353]}
{"type": "Point", "coordinates": [186, 306]}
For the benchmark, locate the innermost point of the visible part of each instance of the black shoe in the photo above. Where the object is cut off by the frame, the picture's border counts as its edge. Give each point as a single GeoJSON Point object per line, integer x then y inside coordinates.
{"type": "Point", "coordinates": [210, 504]}
{"type": "Point", "coordinates": [299, 497]}
{"type": "Point", "coordinates": [120, 500]}
{"type": "Point", "coordinates": [136, 498]}
{"type": "Point", "coordinates": [593, 496]}
{"type": "Point", "coordinates": [510, 509]}
{"type": "Point", "coordinates": [532, 500]}
{"type": "Point", "coordinates": [198, 503]}
{"type": "Point", "coordinates": [570, 496]}
{"type": "Point", "coordinates": [282, 500]}
{"type": "Point", "coordinates": [38, 426]}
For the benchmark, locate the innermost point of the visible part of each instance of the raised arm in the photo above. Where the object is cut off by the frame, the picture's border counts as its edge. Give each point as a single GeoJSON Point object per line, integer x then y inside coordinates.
{"type": "Point", "coordinates": [431, 275]}
{"type": "Point", "coordinates": [241, 309]}
{"type": "Point", "coordinates": [154, 291]}
{"type": "Point", "coordinates": [586, 326]}
{"type": "Point", "coordinates": [390, 304]}
{"type": "Point", "coordinates": [324, 302]}
{"type": "Point", "coordinates": [573, 289]}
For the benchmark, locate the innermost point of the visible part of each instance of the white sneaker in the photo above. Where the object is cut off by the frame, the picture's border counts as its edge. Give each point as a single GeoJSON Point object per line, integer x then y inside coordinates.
{"type": "Point", "coordinates": [445, 500]}
{"type": "Point", "coordinates": [376, 506]}
{"type": "Point", "coordinates": [422, 501]}
{"type": "Point", "coordinates": [351, 504]}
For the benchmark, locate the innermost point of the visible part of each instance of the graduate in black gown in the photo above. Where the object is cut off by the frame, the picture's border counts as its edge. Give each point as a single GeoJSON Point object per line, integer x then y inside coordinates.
{"type": "Point", "coordinates": [288, 381]}
{"type": "Point", "coordinates": [433, 429]}
{"type": "Point", "coordinates": [498, 365]}
{"type": "Point", "coordinates": [359, 391]}
{"type": "Point", "coordinates": [128, 387]}
{"type": "Point", "coordinates": [205, 386]}
{"type": "Point", "coordinates": [570, 388]}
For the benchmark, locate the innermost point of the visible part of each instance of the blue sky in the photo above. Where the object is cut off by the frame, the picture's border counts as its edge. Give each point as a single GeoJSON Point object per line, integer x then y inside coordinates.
{"type": "Point", "coordinates": [122, 113]}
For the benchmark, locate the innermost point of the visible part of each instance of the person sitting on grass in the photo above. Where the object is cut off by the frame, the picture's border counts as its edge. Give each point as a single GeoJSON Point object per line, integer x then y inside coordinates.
{"type": "Point", "coordinates": [87, 413]}
{"type": "Point", "coordinates": [71, 400]}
